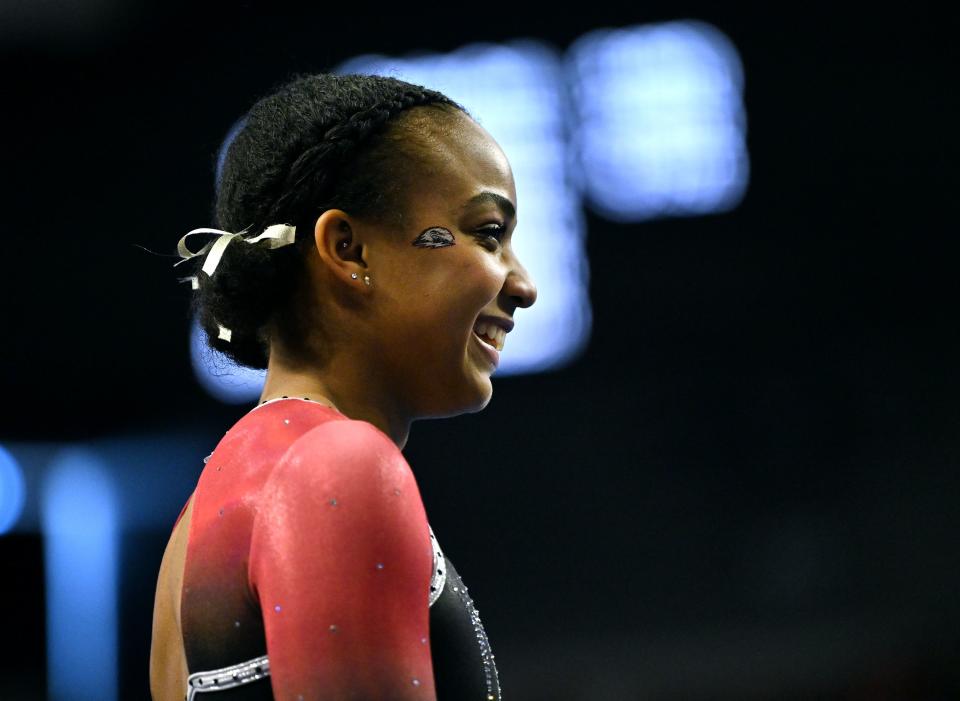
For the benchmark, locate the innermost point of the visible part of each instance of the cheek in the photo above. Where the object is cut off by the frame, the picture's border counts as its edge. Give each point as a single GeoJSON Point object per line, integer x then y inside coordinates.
{"type": "Point", "coordinates": [448, 287]}
{"type": "Point", "coordinates": [475, 284]}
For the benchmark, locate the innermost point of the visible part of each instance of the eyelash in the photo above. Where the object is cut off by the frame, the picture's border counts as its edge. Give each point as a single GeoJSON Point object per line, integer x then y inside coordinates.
{"type": "Point", "coordinates": [499, 230]}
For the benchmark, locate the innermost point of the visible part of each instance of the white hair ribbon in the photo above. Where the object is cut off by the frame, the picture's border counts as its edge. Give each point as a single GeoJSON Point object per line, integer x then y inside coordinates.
{"type": "Point", "coordinates": [276, 236]}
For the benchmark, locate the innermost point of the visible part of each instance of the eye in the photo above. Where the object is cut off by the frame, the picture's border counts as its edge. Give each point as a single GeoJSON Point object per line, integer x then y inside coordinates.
{"type": "Point", "coordinates": [494, 231]}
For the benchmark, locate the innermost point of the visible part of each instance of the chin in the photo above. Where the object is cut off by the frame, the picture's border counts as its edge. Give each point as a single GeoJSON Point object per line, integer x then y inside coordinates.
{"type": "Point", "coordinates": [485, 393]}
{"type": "Point", "coordinates": [482, 404]}
{"type": "Point", "coordinates": [471, 401]}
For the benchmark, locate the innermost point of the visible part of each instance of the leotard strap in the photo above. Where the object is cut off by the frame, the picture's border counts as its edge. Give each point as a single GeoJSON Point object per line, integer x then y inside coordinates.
{"type": "Point", "coordinates": [227, 677]}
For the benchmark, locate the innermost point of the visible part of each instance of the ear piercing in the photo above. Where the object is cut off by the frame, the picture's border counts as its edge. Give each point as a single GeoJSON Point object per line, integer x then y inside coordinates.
{"type": "Point", "coordinates": [366, 278]}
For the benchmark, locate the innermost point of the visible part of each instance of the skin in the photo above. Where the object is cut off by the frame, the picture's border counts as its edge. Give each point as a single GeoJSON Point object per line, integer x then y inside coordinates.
{"type": "Point", "coordinates": [403, 348]}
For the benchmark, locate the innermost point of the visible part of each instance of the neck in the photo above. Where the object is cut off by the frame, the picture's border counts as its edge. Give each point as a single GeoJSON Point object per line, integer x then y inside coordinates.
{"type": "Point", "coordinates": [342, 384]}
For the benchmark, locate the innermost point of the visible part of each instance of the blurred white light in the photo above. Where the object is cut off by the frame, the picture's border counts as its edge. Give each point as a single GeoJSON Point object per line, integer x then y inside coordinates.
{"type": "Point", "coordinates": [12, 491]}
{"type": "Point", "coordinates": [660, 122]}
{"type": "Point", "coordinates": [515, 91]}
{"type": "Point", "coordinates": [221, 377]}
{"type": "Point", "coordinates": [79, 517]}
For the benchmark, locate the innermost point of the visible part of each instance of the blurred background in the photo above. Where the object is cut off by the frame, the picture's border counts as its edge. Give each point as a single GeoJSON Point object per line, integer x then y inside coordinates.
{"type": "Point", "coordinates": [720, 460]}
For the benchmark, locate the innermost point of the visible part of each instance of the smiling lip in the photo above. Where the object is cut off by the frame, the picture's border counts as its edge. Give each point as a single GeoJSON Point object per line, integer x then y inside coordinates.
{"type": "Point", "coordinates": [491, 352]}
{"type": "Point", "coordinates": [503, 323]}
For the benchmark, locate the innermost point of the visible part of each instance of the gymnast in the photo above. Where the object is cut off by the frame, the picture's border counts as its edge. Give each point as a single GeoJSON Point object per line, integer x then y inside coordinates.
{"type": "Point", "coordinates": [363, 259]}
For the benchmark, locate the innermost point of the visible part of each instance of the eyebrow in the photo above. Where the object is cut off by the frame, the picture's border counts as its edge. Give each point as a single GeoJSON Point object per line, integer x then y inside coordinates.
{"type": "Point", "coordinates": [505, 205]}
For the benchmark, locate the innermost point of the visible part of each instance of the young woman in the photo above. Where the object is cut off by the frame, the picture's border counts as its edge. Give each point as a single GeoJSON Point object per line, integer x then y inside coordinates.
{"type": "Point", "coordinates": [365, 261]}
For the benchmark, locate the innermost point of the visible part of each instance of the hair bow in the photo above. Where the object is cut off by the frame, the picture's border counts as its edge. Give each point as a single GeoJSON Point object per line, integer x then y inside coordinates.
{"type": "Point", "coordinates": [276, 236]}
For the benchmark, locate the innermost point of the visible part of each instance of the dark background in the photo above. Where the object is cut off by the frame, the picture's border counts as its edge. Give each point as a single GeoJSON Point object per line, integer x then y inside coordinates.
{"type": "Point", "coordinates": [746, 486]}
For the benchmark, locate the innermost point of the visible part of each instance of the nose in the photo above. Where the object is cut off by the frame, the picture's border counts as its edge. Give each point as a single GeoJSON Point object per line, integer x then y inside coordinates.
{"type": "Point", "coordinates": [519, 286]}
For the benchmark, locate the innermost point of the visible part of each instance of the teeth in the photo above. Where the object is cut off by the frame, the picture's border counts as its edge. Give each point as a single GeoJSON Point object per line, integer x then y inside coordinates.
{"type": "Point", "coordinates": [491, 333]}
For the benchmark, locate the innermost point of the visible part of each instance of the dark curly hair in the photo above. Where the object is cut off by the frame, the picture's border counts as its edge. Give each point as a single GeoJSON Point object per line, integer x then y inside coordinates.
{"type": "Point", "coordinates": [319, 141]}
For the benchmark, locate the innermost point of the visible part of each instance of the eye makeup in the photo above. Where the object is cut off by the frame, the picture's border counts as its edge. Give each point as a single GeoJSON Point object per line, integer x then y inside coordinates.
{"type": "Point", "coordinates": [435, 237]}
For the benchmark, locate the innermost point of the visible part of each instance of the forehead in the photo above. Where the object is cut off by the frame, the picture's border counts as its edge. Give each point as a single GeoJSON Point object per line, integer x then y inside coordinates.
{"type": "Point", "coordinates": [462, 160]}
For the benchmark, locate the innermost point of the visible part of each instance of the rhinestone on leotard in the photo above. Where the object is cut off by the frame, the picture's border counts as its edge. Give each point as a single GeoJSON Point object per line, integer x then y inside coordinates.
{"type": "Point", "coordinates": [439, 578]}
{"type": "Point", "coordinates": [486, 655]}
{"type": "Point", "coordinates": [258, 668]}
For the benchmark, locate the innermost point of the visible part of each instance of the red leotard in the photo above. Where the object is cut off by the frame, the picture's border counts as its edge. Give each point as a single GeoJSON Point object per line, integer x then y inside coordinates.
{"type": "Point", "coordinates": [309, 542]}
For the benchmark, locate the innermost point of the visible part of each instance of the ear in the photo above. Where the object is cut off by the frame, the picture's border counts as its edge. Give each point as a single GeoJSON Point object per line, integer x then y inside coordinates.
{"type": "Point", "coordinates": [339, 247]}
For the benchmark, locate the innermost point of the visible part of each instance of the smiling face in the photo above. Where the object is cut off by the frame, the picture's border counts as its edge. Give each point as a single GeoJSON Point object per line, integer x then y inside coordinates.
{"type": "Point", "coordinates": [448, 263]}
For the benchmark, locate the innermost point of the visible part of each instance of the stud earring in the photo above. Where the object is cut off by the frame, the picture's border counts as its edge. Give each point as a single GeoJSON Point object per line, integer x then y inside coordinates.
{"type": "Point", "coordinates": [343, 244]}
{"type": "Point", "coordinates": [354, 276]}
{"type": "Point", "coordinates": [366, 279]}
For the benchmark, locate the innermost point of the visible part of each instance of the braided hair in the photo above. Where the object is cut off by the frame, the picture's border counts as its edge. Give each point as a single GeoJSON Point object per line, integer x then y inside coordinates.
{"type": "Point", "coordinates": [318, 142]}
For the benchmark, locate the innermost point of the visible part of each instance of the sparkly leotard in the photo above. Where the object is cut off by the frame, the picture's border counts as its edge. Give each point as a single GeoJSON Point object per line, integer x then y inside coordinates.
{"type": "Point", "coordinates": [311, 571]}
